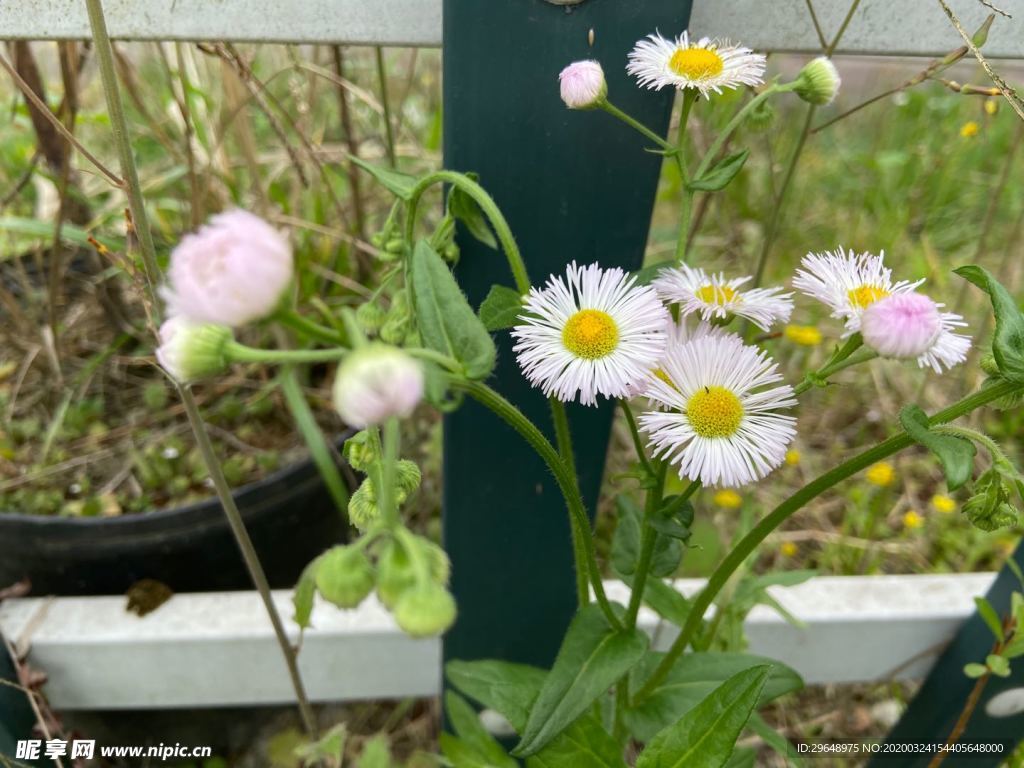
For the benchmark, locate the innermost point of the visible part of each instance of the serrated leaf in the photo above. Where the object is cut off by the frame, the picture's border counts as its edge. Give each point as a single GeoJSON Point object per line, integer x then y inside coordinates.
{"type": "Point", "coordinates": [692, 678]}
{"type": "Point", "coordinates": [472, 733]}
{"type": "Point", "coordinates": [592, 657]}
{"type": "Point", "coordinates": [955, 454]}
{"type": "Point", "coordinates": [446, 322]}
{"type": "Point", "coordinates": [706, 735]}
{"type": "Point", "coordinates": [507, 688]}
{"type": "Point", "coordinates": [399, 184]}
{"type": "Point", "coordinates": [465, 209]}
{"type": "Point", "coordinates": [501, 309]}
{"type": "Point", "coordinates": [1008, 340]}
{"type": "Point", "coordinates": [720, 174]}
{"type": "Point", "coordinates": [990, 617]}
{"type": "Point", "coordinates": [584, 743]}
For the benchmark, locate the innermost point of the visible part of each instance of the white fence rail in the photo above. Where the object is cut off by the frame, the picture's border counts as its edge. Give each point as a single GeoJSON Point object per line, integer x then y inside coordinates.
{"type": "Point", "coordinates": [218, 649]}
{"type": "Point", "coordinates": [913, 27]}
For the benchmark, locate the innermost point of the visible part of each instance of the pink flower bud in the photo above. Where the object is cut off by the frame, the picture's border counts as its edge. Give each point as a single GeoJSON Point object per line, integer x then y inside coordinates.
{"type": "Point", "coordinates": [901, 325]}
{"type": "Point", "coordinates": [583, 85]}
{"type": "Point", "coordinates": [375, 383]}
{"type": "Point", "coordinates": [233, 271]}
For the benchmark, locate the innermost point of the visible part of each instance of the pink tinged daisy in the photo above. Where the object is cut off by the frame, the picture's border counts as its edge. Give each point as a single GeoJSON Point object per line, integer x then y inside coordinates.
{"type": "Point", "coordinates": [848, 283]}
{"type": "Point", "coordinates": [715, 297]}
{"type": "Point", "coordinates": [592, 332]}
{"type": "Point", "coordinates": [911, 325]}
{"type": "Point", "coordinates": [705, 65]}
{"type": "Point", "coordinates": [720, 424]}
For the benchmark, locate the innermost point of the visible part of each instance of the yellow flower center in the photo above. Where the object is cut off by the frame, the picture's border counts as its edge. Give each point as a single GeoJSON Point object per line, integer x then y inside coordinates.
{"type": "Point", "coordinates": [714, 412]}
{"type": "Point", "coordinates": [863, 296]}
{"type": "Point", "coordinates": [590, 334]}
{"type": "Point", "coordinates": [880, 474]}
{"type": "Point", "coordinates": [696, 63]}
{"type": "Point", "coordinates": [716, 294]}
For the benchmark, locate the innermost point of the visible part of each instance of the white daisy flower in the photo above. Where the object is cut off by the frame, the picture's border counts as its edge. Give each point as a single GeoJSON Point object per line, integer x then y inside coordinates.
{"type": "Point", "coordinates": [911, 325]}
{"type": "Point", "coordinates": [705, 64]}
{"type": "Point", "coordinates": [679, 333]}
{"type": "Point", "coordinates": [713, 296]}
{"type": "Point", "coordinates": [594, 332]}
{"type": "Point", "coordinates": [848, 283]}
{"type": "Point", "coordinates": [721, 426]}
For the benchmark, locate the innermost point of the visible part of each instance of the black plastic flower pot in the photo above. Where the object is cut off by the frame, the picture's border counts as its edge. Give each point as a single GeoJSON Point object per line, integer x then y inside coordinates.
{"type": "Point", "coordinates": [289, 514]}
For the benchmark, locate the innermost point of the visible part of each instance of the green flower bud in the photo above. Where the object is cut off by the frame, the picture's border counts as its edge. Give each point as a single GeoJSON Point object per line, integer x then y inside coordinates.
{"type": "Point", "coordinates": [362, 506]}
{"type": "Point", "coordinates": [395, 575]}
{"type": "Point", "coordinates": [425, 610]}
{"type": "Point", "coordinates": [761, 117]}
{"type": "Point", "coordinates": [344, 576]}
{"type": "Point", "coordinates": [370, 317]}
{"type": "Point", "coordinates": [190, 351]}
{"type": "Point", "coordinates": [359, 452]}
{"type": "Point", "coordinates": [818, 82]}
{"type": "Point", "coordinates": [989, 508]}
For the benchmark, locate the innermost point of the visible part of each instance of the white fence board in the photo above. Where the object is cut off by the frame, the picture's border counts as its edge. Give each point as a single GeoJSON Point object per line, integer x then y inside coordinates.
{"type": "Point", "coordinates": [218, 649]}
{"type": "Point", "coordinates": [913, 27]}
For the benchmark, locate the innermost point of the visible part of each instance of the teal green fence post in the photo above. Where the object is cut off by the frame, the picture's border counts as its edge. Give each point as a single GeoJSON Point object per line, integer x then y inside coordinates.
{"type": "Point", "coordinates": [574, 186]}
{"type": "Point", "coordinates": [935, 709]}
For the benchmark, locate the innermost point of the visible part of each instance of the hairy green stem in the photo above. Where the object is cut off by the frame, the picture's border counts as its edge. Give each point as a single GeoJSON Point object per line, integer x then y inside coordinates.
{"type": "Point", "coordinates": [487, 205]}
{"type": "Point", "coordinates": [565, 479]}
{"type": "Point", "coordinates": [310, 329]}
{"type": "Point", "coordinates": [136, 203]}
{"type": "Point", "coordinates": [632, 122]}
{"type": "Point", "coordinates": [861, 356]}
{"type": "Point", "coordinates": [686, 197]}
{"type": "Point", "coordinates": [638, 442]}
{"type": "Point", "coordinates": [240, 353]}
{"type": "Point", "coordinates": [648, 538]}
{"type": "Point", "coordinates": [389, 131]}
{"type": "Point", "coordinates": [563, 439]}
{"type": "Point", "coordinates": [389, 472]}
{"type": "Point", "coordinates": [783, 511]}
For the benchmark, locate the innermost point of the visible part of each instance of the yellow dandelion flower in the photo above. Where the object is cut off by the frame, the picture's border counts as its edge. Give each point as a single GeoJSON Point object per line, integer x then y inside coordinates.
{"type": "Point", "coordinates": [943, 503]}
{"type": "Point", "coordinates": [788, 549]}
{"type": "Point", "coordinates": [806, 335]}
{"type": "Point", "coordinates": [792, 457]}
{"type": "Point", "coordinates": [969, 129]}
{"type": "Point", "coordinates": [728, 499]}
{"type": "Point", "coordinates": [991, 106]}
{"type": "Point", "coordinates": [912, 520]}
{"type": "Point", "coordinates": [880, 474]}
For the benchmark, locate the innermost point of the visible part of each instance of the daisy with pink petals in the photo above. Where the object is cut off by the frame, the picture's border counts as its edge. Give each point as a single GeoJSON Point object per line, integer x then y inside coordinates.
{"type": "Point", "coordinates": [911, 325]}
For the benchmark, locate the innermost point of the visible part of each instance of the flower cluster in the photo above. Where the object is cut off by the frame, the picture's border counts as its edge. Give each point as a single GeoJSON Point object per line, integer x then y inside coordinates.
{"type": "Point", "coordinates": [717, 403]}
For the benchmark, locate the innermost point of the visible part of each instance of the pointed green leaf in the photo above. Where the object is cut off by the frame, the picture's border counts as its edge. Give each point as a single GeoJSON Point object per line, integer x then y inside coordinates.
{"type": "Point", "coordinates": [692, 678]}
{"type": "Point", "coordinates": [447, 324]}
{"type": "Point", "coordinates": [584, 743]}
{"type": "Point", "coordinates": [1008, 341]}
{"type": "Point", "coordinates": [626, 543]}
{"type": "Point", "coordinates": [507, 688]}
{"type": "Point", "coordinates": [304, 594]}
{"type": "Point", "coordinates": [955, 454]}
{"type": "Point", "coordinates": [398, 183]}
{"type": "Point", "coordinates": [501, 309]}
{"type": "Point", "coordinates": [720, 174]}
{"type": "Point", "coordinates": [706, 735]}
{"type": "Point", "coordinates": [376, 753]}
{"type": "Point", "coordinates": [460, 754]}
{"type": "Point", "coordinates": [465, 209]}
{"type": "Point", "coordinates": [990, 617]}
{"type": "Point", "coordinates": [592, 657]}
{"type": "Point", "coordinates": [472, 733]}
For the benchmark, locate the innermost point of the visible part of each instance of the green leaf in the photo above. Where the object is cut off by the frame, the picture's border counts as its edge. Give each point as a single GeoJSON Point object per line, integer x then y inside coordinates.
{"type": "Point", "coordinates": [667, 601]}
{"type": "Point", "coordinates": [974, 670]}
{"type": "Point", "coordinates": [692, 678]}
{"type": "Point", "coordinates": [955, 454]}
{"type": "Point", "coordinates": [507, 688]}
{"type": "Point", "coordinates": [990, 617]}
{"type": "Point", "coordinates": [720, 174]}
{"type": "Point", "coordinates": [1008, 340]}
{"type": "Point", "coordinates": [472, 733]}
{"type": "Point", "coordinates": [465, 209]}
{"type": "Point", "coordinates": [592, 657]}
{"type": "Point", "coordinates": [501, 309]}
{"type": "Point", "coordinates": [447, 324]}
{"type": "Point", "coordinates": [999, 665]}
{"type": "Point", "coordinates": [460, 754]}
{"type": "Point", "coordinates": [305, 592]}
{"type": "Point", "coordinates": [773, 739]}
{"type": "Point", "coordinates": [376, 753]}
{"type": "Point", "coordinates": [706, 735]}
{"type": "Point", "coordinates": [44, 230]}
{"type": "Point", "coordinates": [626, 543]}
{"type": "Point", "coordinates": [398, 183]}
{"type": "Point", "coordinates": [584, 743]}
{"type": "Point", "coordinates": [745, 757]}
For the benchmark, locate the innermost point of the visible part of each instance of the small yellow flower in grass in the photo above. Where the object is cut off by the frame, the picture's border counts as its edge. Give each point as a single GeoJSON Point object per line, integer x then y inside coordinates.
{"type": "Point", "coordinates": [806, 335]}
{"type": "Point", "coordinates": [792, 457]}
{"type": "Point", "coordinates": [969, 129]}
{"type": "Point", "coordinates": [788, 549]}
{"type": "Point", "coordinates": [943, 503]}
{"type": "Point", "coordinates": [912, 520]}
{"type": "Point", "coordinates": [728, 499]}
{"type": "Point", "coordinates": [991, 106]}
{"type": "Point", "coordinates": [880, 474]}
